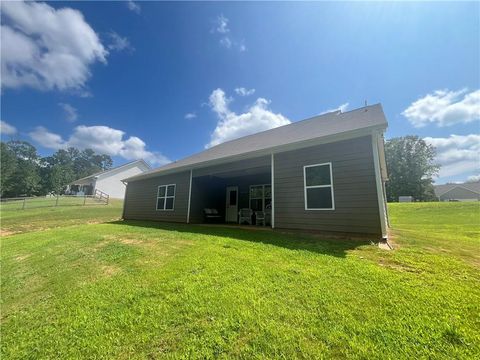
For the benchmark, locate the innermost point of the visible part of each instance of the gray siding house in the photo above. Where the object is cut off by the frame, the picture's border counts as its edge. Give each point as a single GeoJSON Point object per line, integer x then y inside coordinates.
{"type": "Point", "coordinates": [325, 173]}
{"type": "Point", "coordinates": [469, 191]}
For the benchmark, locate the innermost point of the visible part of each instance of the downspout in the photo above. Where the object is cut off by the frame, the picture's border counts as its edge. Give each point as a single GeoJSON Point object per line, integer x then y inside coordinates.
{"type": "Point", "coordinates": [125, 199]}
{"type": "Point", "coordinates": [189, 196]}
{"type": "Point", "coordinates": [272, 169]}
{"type": "Point", "coordinates": [379, 186]}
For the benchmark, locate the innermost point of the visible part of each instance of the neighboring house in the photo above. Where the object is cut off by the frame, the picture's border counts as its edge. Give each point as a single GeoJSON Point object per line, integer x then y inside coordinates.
{"type": "Point", "coordinates": [326, 173]}
{"type": "Point", "coordinates": [458, 192]}
{"type": "Point", "coordinates": [108, 181]}
{"type": "Point", "coordinates": [405, 199]}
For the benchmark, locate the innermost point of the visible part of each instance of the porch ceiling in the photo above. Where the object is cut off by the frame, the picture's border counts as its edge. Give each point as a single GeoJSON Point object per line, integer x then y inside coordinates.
{"type": "Point", "coordinates": [238, 173]}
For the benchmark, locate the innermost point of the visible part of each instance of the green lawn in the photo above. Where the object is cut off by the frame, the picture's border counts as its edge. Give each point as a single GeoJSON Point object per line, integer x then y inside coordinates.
{"type": "Point", "coordinates": [43, 215]}
{"type": "Point", "coordinates": [76, 288]}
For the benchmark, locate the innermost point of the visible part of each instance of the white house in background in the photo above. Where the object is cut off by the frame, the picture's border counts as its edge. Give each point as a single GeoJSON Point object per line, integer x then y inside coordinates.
{"type": "Point", "coordinates": [458, 192]}
{"type": "Point", "coordinates": [108, 181]}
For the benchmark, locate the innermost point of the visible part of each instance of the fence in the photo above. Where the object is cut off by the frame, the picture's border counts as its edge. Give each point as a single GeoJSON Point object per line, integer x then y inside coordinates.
{"type": "Point", "coordinates": [22, 203]}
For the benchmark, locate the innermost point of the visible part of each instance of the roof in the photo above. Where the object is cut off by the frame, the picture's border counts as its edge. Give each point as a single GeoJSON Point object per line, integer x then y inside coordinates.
{"type": "Point", "coordinates": [105, 172]}
{"type": "Point", "coordinates": [322, 126]}
{"type": "Point", "coordinates": [443, 189]}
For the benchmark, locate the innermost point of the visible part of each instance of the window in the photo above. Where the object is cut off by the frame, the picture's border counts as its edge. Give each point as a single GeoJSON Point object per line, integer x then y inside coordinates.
{"type": "Point", "coordinates": [260, 197]}
{"type": "Point", "coordinates": [166, 197]}
{"type": "Point", "coordinates": [318, 187]}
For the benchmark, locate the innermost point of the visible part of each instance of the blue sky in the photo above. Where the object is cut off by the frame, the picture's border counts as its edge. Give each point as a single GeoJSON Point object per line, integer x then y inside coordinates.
{"type": "Point", "coordinates": [164, 80]}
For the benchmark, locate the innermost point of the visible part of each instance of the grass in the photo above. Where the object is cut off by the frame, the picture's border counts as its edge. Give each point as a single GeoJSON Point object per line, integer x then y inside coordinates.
{"type": "Point", "coordinates": [42, 218]}
{"type": "Point", "coordinates": [148, 290]}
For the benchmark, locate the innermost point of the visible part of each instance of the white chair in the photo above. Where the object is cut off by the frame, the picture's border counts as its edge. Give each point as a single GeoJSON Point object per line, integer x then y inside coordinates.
{"type": "Point", "coordinates": [260, 218]}
{"type": "Point", "coordinates": [245, 216]}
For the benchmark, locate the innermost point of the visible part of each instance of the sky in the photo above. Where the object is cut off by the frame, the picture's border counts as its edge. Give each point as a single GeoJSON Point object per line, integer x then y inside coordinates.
{"type": "Point", "coordinates": [163, 80]}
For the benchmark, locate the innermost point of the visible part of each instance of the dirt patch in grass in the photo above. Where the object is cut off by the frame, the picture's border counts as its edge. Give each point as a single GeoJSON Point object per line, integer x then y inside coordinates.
{"type": "Point", "coordinates": [22, 257]}
{"type": "Point", "coordinates": [399, 267]}
{"type": "Point", "coordinates": [4, 232]}
{"type": "Point", "coordinates": [110, 270]}
{"type": "Point", "coordinates": [127, 240]}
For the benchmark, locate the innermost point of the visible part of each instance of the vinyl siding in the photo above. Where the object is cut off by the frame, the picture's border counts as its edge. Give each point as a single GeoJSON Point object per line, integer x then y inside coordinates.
{"type": "Point", "coordinates": [141, 198]}
{"type": "Point", "coordinates": [459, 193]}
{"type": "Point", "coordinates": [112, 184]}
{"type": "Point", "coordinates": [355, 194]}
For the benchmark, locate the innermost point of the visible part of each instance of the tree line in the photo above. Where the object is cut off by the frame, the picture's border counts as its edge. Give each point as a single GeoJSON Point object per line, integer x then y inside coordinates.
{"type": "Point", "coordinates": [25, 173]}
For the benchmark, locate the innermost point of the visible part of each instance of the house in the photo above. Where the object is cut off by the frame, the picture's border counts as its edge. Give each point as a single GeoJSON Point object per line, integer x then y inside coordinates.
{"type": "Point", "coordinates": [405, 199]}
{"type": "Point", "coordinates": [109, 181]}
{"type": "Point", "coordinates": [458, 192]}
{"type": "Point", "coordinates": [326, 173]}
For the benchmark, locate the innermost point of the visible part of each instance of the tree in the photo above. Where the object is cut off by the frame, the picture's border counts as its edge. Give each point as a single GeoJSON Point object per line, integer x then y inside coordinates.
{"type": "Point", "coordinates": [411, 167]}
{"type": "Point", "coordinates": [8, 165]}
{"type": "Point", "coordinates": [86, 162]}
{"type": "Point", "coordinates": [25, 180]}
{"type": "Point", "coordinates": [23, 172]}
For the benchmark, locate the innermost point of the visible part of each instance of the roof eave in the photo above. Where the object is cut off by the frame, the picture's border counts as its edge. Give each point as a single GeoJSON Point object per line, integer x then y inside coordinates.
{"type": "Point", "coordinates": [276, 149]}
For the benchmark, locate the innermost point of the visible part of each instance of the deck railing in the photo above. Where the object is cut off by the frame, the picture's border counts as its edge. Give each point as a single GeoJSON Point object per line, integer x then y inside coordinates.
{"type": "Point", "coordinates": [101, 196]}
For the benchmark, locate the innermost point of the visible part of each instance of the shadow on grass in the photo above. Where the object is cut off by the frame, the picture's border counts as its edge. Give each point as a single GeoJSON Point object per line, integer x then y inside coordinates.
{"type": "Point", "coordinates": [326, 244]}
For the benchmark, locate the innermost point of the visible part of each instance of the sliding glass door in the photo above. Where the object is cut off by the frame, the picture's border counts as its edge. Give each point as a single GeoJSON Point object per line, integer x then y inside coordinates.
{"type": "Point", "coordinates": [260, 197]}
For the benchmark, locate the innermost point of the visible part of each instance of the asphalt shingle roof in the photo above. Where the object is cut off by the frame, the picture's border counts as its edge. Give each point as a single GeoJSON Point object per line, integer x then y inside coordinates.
{"type": "Point", "coordinates": [325, 125]}
{"type": "Point", "coordinates": [442, 189]}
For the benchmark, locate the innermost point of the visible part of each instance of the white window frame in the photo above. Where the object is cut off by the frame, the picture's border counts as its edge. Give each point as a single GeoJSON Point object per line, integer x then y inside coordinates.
{"type": "Point", "coordinates": [257, 198]}
{"type": "Point", "coordinates": [305, 187]}
{"type": "Point", "coordinates": [166, 197]}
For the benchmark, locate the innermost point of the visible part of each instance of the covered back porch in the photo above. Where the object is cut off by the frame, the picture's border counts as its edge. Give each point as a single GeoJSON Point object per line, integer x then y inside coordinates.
{"type": "Point", "coordinates": [238, 193]}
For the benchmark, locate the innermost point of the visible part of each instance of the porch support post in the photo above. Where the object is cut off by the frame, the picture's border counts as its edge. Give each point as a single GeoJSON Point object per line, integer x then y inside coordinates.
{"type": "Point", "coordinates": [272, 169]}
{"type": "Point", "coordinates": [379, 184]}
{"type": "Point", "coordinates": [189, 196]}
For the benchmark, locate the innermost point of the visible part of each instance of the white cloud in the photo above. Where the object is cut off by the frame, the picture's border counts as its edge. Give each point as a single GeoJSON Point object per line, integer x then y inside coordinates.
{"type": "Point", "coordinates": [118, 43]}
{"type": "Point", "coordinates": [226, 42]}
{"type": "Point", "coordinates": [7, 129]}
{"type": "Point", "coordinates": [47, 139]}
{"type": "Point", "coordinates": [242, 47]}
{"type": "Point", "coordinates": [341, 108]}
{"type": "Point", "coordinates": [473, 178]}
{"type": "Point", "coordinates": [444, 108]}
{"type": "Point", "coordinates": [71, 114]}
{"type": "Point", "coordinates": [244, 92]}
{"type": "Point", "coordinates": [457, 154]}
{"type": "Point", "coordinates": [101, 139]}
{"type": "Point", "coordinates": [231, 125]}
{"type": "Point", "coordinates": [226, 39]}
{"type": "Point", "coordinates": [133, 6]}
{"type": "Point", "coordinates": [222, 25]}
{"type": "Point", "coordinates": [45, 48]}
{"type": "Point", "coordinates": [190, 116]}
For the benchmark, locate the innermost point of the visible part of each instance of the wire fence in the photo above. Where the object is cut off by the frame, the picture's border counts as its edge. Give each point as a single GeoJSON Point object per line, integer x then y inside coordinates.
{"type": "Point", "coordinates": [22, 203]}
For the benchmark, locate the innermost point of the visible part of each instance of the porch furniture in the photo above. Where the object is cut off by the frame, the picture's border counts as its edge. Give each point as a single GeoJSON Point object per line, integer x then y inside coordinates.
{"type": "Point", "coordinates": [268, 214]}
{"type": "Point", "coordinates": [260, 218]}
{"type": "Point", "coordinates": [211, 215]}
{"type": "Point", "coordinates": [245, 216]}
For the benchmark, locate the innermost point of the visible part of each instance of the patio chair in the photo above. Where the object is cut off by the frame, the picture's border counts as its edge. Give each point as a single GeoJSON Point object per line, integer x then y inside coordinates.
{"type": "Point", "coordinates": [268, 214]}
{"type": "Point", "coordinates": [259, 218]}
{"type": "Point", "coordinates": [245, 216]}
{"type": "Point", "coordinates": [211, 215]}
